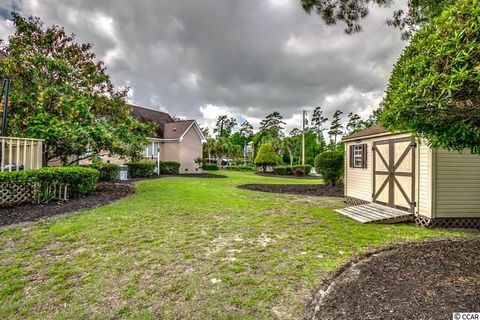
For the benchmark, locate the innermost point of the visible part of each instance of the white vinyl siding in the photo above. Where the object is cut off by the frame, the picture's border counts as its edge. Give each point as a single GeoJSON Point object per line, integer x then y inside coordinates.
{"type": "Point", "coordinates": [457, 179]}
{"type": "Point", "coordinates": [424, 180]}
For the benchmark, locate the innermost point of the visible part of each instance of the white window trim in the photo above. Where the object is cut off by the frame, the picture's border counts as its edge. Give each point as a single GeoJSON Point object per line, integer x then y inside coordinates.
{"type": "Point", "coordinates": [358, 156]}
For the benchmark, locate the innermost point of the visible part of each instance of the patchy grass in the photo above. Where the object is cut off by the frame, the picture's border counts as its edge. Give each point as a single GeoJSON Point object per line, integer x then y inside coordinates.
{"type": "Point", "coordinates": [184, 248]}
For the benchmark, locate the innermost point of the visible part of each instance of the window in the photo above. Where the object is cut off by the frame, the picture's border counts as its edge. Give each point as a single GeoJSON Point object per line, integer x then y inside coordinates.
{"type": "Point", "coordinates": [358, 156]}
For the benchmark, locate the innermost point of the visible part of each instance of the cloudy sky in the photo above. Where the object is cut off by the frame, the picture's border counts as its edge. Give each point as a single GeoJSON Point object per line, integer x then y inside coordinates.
{"type": "Point", "coordinates": [244, 58]}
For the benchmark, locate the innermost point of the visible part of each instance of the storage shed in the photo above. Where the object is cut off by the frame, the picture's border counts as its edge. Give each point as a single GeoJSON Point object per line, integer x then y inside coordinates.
{"type": "Point", "coordinates": [393, 176]}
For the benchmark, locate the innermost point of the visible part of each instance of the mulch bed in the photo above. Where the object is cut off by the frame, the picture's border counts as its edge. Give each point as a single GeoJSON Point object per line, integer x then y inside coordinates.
{"type": "Point", "coordinates": [301, 189]}
{"type": "Point", "coordinates": [105, 193]}
{"type": "Point", "coordinates": [272, 175]}
{"type": "Point", "coordinates": [424, 280]}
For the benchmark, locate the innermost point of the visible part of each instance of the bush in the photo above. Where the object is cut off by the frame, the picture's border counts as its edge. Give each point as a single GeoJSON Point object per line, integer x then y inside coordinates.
{"type": "Point", "coordinates": [241, 168]}
{"type": "Point", "coordinates": [299, 172]}
{"type": "Point", "coordinates": [283, 170]}
{"type": "Point", "coordinates": [108, 171]}
{"type": "Point", "coordinates": [169, 167]}
{"type": "Point", "coordinates": [306, 168]}
{"type": "Point", "coordinates": [330, 165]}
{"type": "Point", "coordinates": [141, 169]}
{"type": "Point", "coordinates": [266, 156]}
{"type": "Point", "coordinates": [82, 181]}
{"type": "Point", "coordinates": [210, 166]}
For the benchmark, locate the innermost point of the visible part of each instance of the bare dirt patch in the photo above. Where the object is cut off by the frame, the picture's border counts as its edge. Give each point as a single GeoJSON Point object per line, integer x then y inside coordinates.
{"type": "Point", "coordinates": [105, 193]}
{"type": "Point", "coordinates": [301, 189]}
{"type": "Point", "coordinates": [425, 280]}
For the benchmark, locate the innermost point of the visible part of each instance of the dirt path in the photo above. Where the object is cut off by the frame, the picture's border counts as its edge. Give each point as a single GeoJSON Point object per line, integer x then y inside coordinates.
{"type": "Point", "coordinates": [426, 280]}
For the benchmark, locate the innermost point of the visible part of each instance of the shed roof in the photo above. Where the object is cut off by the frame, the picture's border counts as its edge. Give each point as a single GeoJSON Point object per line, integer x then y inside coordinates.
{"type": "Point", "coordinates": [373, 130]}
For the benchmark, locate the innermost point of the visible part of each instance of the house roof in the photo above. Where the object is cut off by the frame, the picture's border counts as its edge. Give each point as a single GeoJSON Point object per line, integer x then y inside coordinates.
{"type": "Point", "coordinates": [149, 115]}
{"type": "Point", "coordinates": [175, 130]}
{"type": "Point", "coordinates": [167, 128]}
{"type": "Point", "coordinates": [374, 130]}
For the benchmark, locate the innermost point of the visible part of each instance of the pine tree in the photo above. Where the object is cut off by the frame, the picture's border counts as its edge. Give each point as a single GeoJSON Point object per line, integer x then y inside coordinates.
{"type": "Point", "coordinates": [336, 128]}
{"type": "Point", "coordinates": [318, 122]}
{"type": "Point", "coordinates": [273, 124]}
{"type": "Point", "coordinates": [246, 129]}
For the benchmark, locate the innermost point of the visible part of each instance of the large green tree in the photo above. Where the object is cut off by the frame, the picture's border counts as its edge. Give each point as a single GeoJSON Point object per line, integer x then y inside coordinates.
{"type": "Point", "coordinates": [224, 126]}
{"type": "Point", "coordinates": [60, 94]}
{"type": "Point", "coordinates": [350, 12]}
{"type": "Point", "coordinates": [434, 89]}
{"type": "Point", "coordinates": [336, 127]}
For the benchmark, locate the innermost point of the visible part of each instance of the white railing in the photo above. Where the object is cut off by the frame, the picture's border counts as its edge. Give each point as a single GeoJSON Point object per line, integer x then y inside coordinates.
{"type": "Point", "coordinates": [20, 153]}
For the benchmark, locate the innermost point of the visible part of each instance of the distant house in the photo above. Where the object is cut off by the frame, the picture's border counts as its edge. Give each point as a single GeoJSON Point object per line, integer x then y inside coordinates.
{"type": "Point", "coordinates": [387, 173]}
{"type": "Point", "coordinates": [180, 141]}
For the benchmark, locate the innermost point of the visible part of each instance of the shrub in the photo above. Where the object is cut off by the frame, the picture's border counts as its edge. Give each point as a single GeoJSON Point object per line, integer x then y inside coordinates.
{"type": "Point", "coordinates": [241, 168]}
{"type": "Point", "coordinates": [141, 169]}
{"type": "Point", "coordinates": [283, 170]}
{"type": "Point", "coordinates": [299, 172]}
{"type": "Point", "coordinates": [210, 166]}
{"type": "Point", "coordinates": [169, 167]}
{"type": "Point", "coordinates": [81, 180]}
{"type": "Point", "coordinates": [266, 156]}
{"type": "Point", "coordinates": [305, 168]}
{"type": "Point", "coordinates": [108, 171]}
{"type": "Point", "coordinates": [330, 165]}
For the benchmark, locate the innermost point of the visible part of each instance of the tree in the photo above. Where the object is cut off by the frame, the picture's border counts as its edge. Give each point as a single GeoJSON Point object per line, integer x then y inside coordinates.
{"type": "Point", "coordinates": [355, 123]}
{"type": "Point", "coordinates": [295, 132]}
{"type": "Point", "coordinates": [273, 124]}
{"type": "Point", "coordinates": [60, 94]}
{"type": "Point", "coordinates": [336, 127]}
{"type": "Point", "coordinates": [434, 87]}
{"type": "Point", "coordinates": [318, 121]}
{"type": "Point", "coordinates": [206, 132]}
{"type": "Point", "coordinates": [223, 148]}
{"type": "Point", "coordinates": [210, 147]}
{"type": "Point", "coordinates": [330, 165]}
{"type": "Point", "coordinates": [266, 157]}
{"type": "Point", "coordinates": [224, 126]}
{"type": "Point", "coordinates": [419, 13]}
{"type": "Point", "coordinates": [246, 129]}
{"type": "Point", "coordinates": [290, 144]}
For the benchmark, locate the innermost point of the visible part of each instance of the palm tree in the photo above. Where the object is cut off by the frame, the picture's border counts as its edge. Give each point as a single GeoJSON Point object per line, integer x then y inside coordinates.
{"type": "Point", "coordinates": [210, 146]}
{"type": "Point", "coordinates": [290, 145]}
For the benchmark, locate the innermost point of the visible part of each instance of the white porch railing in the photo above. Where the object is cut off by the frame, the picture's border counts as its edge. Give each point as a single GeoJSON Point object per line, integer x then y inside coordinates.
{"type": "Point", "coordinates": [20, 153]}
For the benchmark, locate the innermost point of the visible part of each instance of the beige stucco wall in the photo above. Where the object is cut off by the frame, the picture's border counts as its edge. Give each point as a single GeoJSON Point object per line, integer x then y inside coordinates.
{"type": "Point", "coordinates": [191, 148]}
{"type": "Point", "coordinates": [170, 151]}
{"type": "Point", "coordinates": [457, 184]}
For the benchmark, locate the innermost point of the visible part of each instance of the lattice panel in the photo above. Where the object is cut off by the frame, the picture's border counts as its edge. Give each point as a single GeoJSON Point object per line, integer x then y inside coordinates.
{"type": "Point", "coordinates": [16, 193]}
{"type": "Point", "coordinates": [354, 202]}
{"type": "Point", "coordinates": [470, 223]}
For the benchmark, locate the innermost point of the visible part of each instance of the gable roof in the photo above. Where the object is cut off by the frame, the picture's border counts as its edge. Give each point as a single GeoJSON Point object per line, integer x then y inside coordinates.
{"type": "Point", "coordinates": [373, 130]}
{"type": "Point", "coordinates": [150, 115]}
{"type": "Point", "coordinates": [175, 130]}
{"type": "Point", "coordinates": [167, 128]}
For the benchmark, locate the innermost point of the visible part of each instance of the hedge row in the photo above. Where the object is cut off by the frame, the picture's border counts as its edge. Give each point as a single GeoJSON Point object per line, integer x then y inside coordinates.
{"type": "Point", "coordinates": [81, 180]}
{"type": "Point", "coordinates": [241, 168]}
{"type": "Point", "coordinates": [210, 166]}
{"type": "Point", "coordinates": [292, 170]}
{"type": "Point", "coordinates": [108, 171]}
{"type": "Point", "coordinates": [146, 168]}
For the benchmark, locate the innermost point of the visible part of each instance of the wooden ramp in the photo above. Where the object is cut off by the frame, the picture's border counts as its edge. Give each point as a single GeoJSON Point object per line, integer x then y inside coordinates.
{"type": "Point", "coordinates": [375, 213]}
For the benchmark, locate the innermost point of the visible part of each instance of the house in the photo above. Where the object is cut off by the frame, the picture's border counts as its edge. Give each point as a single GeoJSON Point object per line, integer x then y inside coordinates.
{"type": "Point", "coordinates": [180, 141]}
{"type": "Point", "coordinates": [393, 173]}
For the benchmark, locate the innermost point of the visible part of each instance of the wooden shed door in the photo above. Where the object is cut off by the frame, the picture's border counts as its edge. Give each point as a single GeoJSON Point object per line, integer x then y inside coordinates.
{"type": "Point", "coordinates": [394, 173]}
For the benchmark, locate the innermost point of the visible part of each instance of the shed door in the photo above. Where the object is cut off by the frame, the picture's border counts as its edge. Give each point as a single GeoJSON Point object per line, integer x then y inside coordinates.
{"type": "Point", "coordinates": [394, 173]}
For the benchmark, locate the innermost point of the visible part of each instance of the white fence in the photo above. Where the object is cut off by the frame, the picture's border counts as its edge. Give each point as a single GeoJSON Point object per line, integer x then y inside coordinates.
{"type": "Point", "coordinates": [20, 153]}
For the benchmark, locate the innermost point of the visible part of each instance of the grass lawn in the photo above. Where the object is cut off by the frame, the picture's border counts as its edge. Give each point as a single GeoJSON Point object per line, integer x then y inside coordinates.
{"type": "Point", "coordinates": [184, 248]}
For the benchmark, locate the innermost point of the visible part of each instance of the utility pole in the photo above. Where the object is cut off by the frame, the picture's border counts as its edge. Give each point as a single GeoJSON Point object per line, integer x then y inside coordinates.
{"type": "Point", "coordinates": [304, 115]}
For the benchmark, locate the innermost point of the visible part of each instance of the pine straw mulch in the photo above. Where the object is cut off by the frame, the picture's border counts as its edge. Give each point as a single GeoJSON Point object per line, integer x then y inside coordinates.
{"type": "Point", "coordinates": [424, 280]}
{"type": "Point", "coordinates": [300, 189]}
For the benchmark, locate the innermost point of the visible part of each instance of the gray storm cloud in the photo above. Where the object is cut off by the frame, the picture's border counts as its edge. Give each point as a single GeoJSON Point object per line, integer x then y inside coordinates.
{"type": "Point", "coordinates": [199, 59]}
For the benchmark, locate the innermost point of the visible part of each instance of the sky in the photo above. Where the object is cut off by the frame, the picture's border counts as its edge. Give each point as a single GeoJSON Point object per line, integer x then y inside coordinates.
{"type": "Point", "coordinates": [244, 58]}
